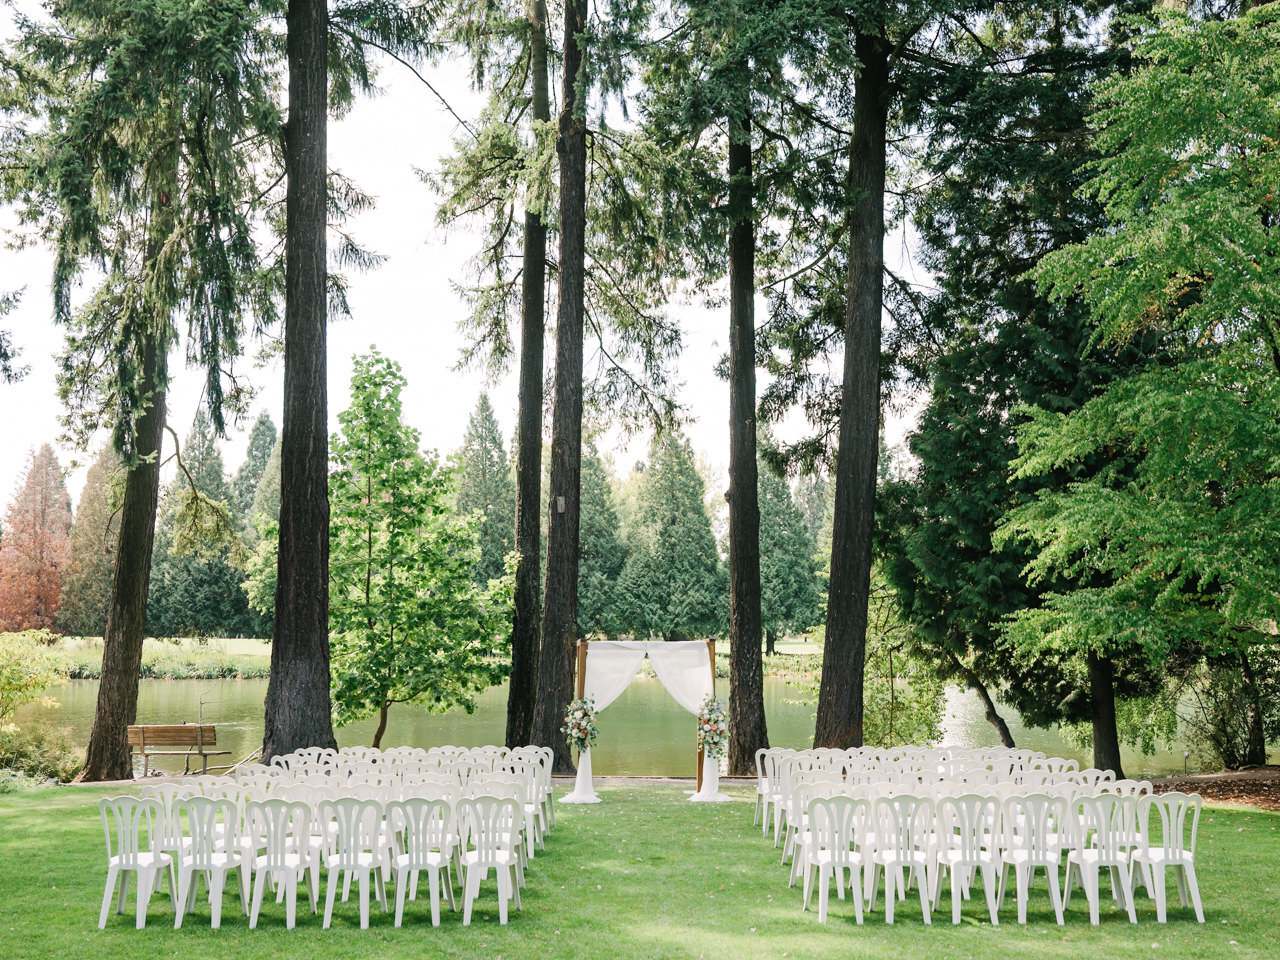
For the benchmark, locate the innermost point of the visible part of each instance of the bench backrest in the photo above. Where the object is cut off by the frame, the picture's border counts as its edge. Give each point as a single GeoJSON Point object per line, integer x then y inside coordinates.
{"type": "Point", "coordinates": [173, 735]}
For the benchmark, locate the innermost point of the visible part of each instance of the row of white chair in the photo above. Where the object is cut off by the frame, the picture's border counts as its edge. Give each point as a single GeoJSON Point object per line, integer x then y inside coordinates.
{"type": "Point", "coordinates": [867, 832]}
{"type": "Point", "coordinates": [285, 841]}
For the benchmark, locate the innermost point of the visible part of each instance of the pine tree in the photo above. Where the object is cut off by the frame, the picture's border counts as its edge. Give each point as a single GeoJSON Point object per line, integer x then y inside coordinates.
{"type": "Point", "coordinates": [673, 584]}
{"type": "Point", "coordinates": [603, 554]}
{"type": "Point", "coordinates": [262, 442]}
{"type": "Point", "coordinates": [33, 553]}
{"type": "Point", "coordinates": [266, 498]}
{"type": "Point", "coordinates": [789, 599]}
{"type": "Point", "coordinates": [86, 587]}
{"type": "Point", "coordinates": [485, 487]}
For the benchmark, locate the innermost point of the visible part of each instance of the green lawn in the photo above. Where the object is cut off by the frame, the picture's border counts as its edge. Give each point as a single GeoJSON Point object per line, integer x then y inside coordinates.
{"type": "Point", "coordinates": [643, 875]}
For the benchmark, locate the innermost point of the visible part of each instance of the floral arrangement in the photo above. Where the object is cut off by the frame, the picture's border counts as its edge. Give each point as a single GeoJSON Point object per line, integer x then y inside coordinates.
{"type": "Point", "coordinates": [713, 727]}
{"type": "Point", "coordinates": [580, 723]}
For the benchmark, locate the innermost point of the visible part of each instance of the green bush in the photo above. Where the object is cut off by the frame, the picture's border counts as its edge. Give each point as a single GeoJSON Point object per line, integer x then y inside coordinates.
{"type": "Point", "coordinates": [39, 753]}
{"type": "Point", "coordinates": [26, 668]}
{"type": "Point", "coordinates": [12, 781]}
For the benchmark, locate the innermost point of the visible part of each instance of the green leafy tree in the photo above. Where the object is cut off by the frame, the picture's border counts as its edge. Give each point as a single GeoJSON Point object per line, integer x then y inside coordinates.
{"type": "Point", "coordinates": [485, 488]}
{"type": "Point", "coordinates": [673, 584]}
{"type": "Point", "coordinates": [27, 667]}
{"type": "Point", "coordinates": [91, 558]}
{"type": "Point", "coordinates": [1187, 176]}
{"type": "Point", "coordinates": [408, 622]}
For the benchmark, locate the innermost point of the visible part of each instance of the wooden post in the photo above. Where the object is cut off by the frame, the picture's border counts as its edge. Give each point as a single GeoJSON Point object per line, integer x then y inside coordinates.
{"type": "Point", "coordinates": [711, 649]}
{"type": "Point", "coordinates": [582, 669]}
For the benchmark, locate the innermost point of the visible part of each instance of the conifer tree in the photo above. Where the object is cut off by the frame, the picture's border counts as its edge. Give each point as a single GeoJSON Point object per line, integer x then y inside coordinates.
{"type": "Point", "coordinates": [485, 488]}
{"type": "Point", "coordinates": [603, 554]}
{"type": "Point", "coordinates": [33, 552]}
{"type": "Point", "coordinates": [86, 587]}
{"type": "Point", "coordinates": [262, 441]}
{"type": "Point", "coordinates": [789, 599]}
{"type": "Point", "coordinates": [673, 584]}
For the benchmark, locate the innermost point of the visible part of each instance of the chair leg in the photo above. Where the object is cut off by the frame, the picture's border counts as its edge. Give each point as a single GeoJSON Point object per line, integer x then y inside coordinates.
{"type": "Point", "coordinates": [824, 890]}
{"type": "Point", "coordinates": [1055, 892]}
{"type": "Point", "coordinates": [433, 884]}
{"type": "Point", "coordinates": [1157, 878]}
{"type": "Point", "coordinates": [125, 877]}
{"type": "Point", "coordinates": [144, 894]}
{"type": "Point", "coordinates": [218, 881]}
{"type": "Point", "coordinates": [955, 894]}
{"type": "Point", "coordinates": [364, 898]}
{"type": "Point", "coordinates": [1093, 891]}
{"type": "Point", "coordinates": [112, 871]}
{"type": "Point", "coordinates": [259, 884]}
{"type": "Point", "coordinates": [331, 884]}
{"type": "Point", "coordinates": [855, 891]}
{"type": "Point", "coordinates": [890, 891]}
{"type": "Point", "coordinates": [472, 888]}
{"type": "Point", "coordinates": [922, 887]}
{"type": "Point", "coordinates": [291, 900]}
{"type": "Point", "coordinates": [504, 893]}
{"type": "Point", "coordinates": [989, 888]}
{"type": "Point", "coordinates": [1020, 875]}
{"type": "Point", "coordinates": [1194, 887]}
{"type": "Point", "coordinates": [401, 890]}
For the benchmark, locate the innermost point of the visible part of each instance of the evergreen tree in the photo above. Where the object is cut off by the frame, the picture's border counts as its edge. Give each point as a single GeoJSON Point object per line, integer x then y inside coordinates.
{"type": "Point", "coordinates": [33, 553]}
{"type": "Point", "coordinates": [91, 563]}
{"type": "Point", "coordinates": [195, 586]}
{"type": "Point", "coordinates": [789, 599]}
{"type": "Point", "coordinates": [603, 554]}
{"type": "Point", "coordinates": [673, 584]}
{"type": "Point", "coordinates": [485, 487]}
{"type": "Point", "coordinates": [266, 498]}
{"type": "Point", "coordinates": [811, 494]}
{"type": "Point", "coordinates": [262, 443]}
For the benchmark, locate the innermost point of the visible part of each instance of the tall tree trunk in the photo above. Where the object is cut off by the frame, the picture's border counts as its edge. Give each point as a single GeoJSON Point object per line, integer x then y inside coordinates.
{"type": "Point", "coordinates": [560, 609]}
{"type": "Point", "coordinates": [523, 690]}
{"type": "Point", "coordinates": [747, 729]}
{"type": "Point", "coordinates": [382, 725]}
{"type": "Point", "coordinates": [1255, 753]}
{"type": "Point", "coordinates": [298, 712]}
{"type": "Point", "coordinates": [839, 720]}
{"type": "Point", "coordinates": [108, 756]}
{"type": "Point", "coordinates": [1102, 710]}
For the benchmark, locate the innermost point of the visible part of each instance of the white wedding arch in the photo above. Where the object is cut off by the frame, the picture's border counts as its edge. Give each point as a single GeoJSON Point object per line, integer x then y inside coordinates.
{"type": "Point", "coordinates": [686, 668]}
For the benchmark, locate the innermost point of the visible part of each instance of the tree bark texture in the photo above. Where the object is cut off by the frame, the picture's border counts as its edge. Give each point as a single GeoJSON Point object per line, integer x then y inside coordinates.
{"type": "Point", "coordinates": [747, 729]}
{"type": "Point", "coordinates": [526, 620]}
{"type": "Point", "coordinates": [839, 719]}
{"type": "Point", "coordinates": [1102, 710]}
{"type": "Point", "coordinates": [560, 607]}
{"type": "Point", "coordinates": [992, 715]}
{"type": "Point", "coordinates": [108, 756]}
{"type": "Point", "coordinates": [298, 710]}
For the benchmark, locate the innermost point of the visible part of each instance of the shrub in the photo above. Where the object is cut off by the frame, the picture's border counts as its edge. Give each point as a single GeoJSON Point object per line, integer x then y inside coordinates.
{"type": "Point", "coordinates": [39, 753]}
{"type": "Point", "coordinates": [26, 668]}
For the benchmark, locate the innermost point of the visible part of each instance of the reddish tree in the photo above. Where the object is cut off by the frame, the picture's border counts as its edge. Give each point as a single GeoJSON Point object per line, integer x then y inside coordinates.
{"type": "Point", "coordinates": [34, 549]}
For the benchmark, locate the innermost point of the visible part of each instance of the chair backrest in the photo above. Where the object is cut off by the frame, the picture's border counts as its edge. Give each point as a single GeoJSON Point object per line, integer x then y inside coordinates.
{"type": "Point", "coordinates": [496, 785]}
{"type": "Point", "coordinates": [359, 828]}
{"type": "Point", "coordinates": [970, 823]}
{"type": "Point", "coordinates": [902, 823]}
{"type": "Point", "coordinates": [1172, 811]}
{"type": "Point", "coordinates": [426, 825]}
{"type": "Point", "coordinates": [130, 822]}
{"type": "Point", "coordinates": [281, 827]}
{"type": "Point", "coordinates": [213, 827]}
{"type": "Point", "coordinates": [1105, 822]}
{"type": "Point", "coordinates": [838, 825]}
{"type": "Point", "coordinates": [485, 827]}
{"type": "Point", "coordinates": [1125, 788]}
{"type": "Point", "coordinates": [1033, 823]}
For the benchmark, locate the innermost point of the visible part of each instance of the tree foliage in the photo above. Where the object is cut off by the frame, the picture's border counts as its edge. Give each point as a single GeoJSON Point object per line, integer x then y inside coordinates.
{"type": "Point", "coordinates": [33, 552]}
{"type": "Point", "coordinates": [602, 553]}
{"type": "Point", "coordinates": [408, 622]}
{"type": "Point", "coordinates": [789, 599]}
{"type": "Point", "coordinates": [673, 584]}
{"type": "Point", "coordinates": [91, 559]}
{"type": "Point", "coordinates": [486, 487]}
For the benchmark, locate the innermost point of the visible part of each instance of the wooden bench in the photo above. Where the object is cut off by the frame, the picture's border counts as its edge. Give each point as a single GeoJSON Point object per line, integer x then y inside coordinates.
{"type": "Point", "coordinates": [151, 740]}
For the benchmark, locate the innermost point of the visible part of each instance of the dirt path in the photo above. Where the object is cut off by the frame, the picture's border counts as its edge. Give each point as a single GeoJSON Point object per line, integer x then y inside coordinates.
{"type": "Point", "coordinates": [1256, 787]}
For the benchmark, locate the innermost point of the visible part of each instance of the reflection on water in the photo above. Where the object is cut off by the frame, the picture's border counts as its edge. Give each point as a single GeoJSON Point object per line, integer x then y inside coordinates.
{"type": "Point", "coordinates": [644, 733]}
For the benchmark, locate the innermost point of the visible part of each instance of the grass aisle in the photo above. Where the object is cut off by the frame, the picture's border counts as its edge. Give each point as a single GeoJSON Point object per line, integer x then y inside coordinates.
{"type": "Point", "coordinates": [643, 875]}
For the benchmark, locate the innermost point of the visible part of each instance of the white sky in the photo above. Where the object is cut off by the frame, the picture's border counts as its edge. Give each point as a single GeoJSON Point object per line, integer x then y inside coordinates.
{"type": "Point", "coordinates": [406, 307]}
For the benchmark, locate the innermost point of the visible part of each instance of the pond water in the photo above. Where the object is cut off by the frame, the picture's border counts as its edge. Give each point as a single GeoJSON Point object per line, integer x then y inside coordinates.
{"type": "Point", "coordinates": [644, 733]}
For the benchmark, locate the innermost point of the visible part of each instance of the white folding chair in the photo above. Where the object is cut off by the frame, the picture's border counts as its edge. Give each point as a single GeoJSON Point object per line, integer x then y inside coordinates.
{"type": "Point", "coordinates": [1175, 849]}
{"type": "Point", "coordinates": [427, 828]}
{"type": "Point", "coordinates": [489, 843]}
{"type": "Point", "coordinates": [967, 840]}
{"type": "Point", "coordinates": [132, 821]}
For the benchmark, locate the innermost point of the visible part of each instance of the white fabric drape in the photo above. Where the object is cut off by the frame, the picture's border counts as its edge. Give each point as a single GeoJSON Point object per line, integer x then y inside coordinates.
{"type": "Point", "coordinates": [583, 790]}
{"type": "Point", "coordinates": [684, 669]}
{"type": "Point", "coordinates": [710, 792]}
{"type": "Point", "coordinates": [611, 668]}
